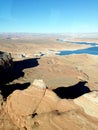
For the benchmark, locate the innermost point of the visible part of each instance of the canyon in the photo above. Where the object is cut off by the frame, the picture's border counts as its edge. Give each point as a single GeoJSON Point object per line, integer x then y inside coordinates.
{"type": "Point", "coordinates": [45, 90]}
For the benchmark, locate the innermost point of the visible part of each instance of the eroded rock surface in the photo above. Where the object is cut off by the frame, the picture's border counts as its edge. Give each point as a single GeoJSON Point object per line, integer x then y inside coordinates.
{"type": "Point", "coordinates": [6, 66]}
{"type": "Point", "coordinates": [38, 108]}
{"type": "Point", "coordinates": [89, 102]}
{"type": "Point", "coordinates": [6, 62]}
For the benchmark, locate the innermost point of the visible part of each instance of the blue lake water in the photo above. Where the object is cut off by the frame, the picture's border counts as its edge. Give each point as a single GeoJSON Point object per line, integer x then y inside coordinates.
{"type": "Point", "coordinates": [90, 50]}
{"type": "Point", "coordinates": [86, 43]}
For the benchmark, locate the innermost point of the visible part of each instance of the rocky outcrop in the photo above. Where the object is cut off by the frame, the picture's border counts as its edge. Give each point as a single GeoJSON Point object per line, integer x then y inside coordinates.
{"type": "Point", "coordinates": [89, 102]}
{"type": "Point", "coordinates": [5, 122]}
{"type": "Point", "coordinates": [24, 104]}
{"type": "Point", "coordinates": [6, 62]}
{"type": "Point", "coordinates": [38, 108]}
{"type": "Point", "coordinates": [6, 67]}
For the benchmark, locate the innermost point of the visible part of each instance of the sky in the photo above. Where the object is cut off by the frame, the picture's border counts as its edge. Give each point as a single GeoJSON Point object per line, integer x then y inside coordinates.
{"type": "Point", "coordinates": [49, 16]}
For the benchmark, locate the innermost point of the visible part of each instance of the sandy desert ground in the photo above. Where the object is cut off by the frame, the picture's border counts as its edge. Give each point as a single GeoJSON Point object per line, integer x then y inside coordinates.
{"type": "Point", "coordinates": [49, 91]}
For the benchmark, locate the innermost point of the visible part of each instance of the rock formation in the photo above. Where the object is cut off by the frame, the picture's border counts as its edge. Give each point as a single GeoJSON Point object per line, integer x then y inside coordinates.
{"type": "Point", "coordinates": [38, 108]}
{"type": "Point", "coordinates": [6, 62]}
{"type": "Point", "coordinates": [6, 66]}
{"type": "Point", "coordinates": [89, 102]}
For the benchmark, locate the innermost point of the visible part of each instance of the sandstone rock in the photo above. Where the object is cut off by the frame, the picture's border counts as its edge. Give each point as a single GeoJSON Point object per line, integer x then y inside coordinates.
{"type": "Point", "coordinates": [6, 66]}
{"type": "Point", "coordinates": [24, 103]}
{"type": "Point", "coordinates": [5, 122]}
{"type": "Point", "coordinates": [22, 106]}
{"type": "Point", "coordinates": [48, 103]}
{"type": "Point", "coordinates": [6, 62]}
{"type": "Point", "coordinates": [39, 83]}
{"type": "Point", "coordinates": [89, 102]}
{"type": "Point", "coordinates": [38, 108]}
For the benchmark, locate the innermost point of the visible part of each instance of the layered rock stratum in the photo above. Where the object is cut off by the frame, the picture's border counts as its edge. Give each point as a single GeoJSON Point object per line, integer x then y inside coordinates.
{"type": "Point", "coordinates": [89, 102]}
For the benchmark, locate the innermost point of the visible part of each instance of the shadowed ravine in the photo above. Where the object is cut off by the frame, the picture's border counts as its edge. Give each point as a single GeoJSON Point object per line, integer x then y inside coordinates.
{"type": "Point", "coordinates": [16, 72]}
{"type": "Point", "coordinates": [72, 92]}
{"type": "Point", "coordinates": [6, 90]}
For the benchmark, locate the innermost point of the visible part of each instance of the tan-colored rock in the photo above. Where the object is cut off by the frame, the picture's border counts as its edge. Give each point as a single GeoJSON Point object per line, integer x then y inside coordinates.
{"type": "Point", "coordinates": [48, 103]}
{"type": "Point", "coordinates": [22, 106]}
{"type": "Point", "coordinates": [24, 103]}
{"type": "Point", "coordinates": [38, 108]}
{"type": "Point", "coordinates": [39, 83]}
{"type": "Point", "coordinates": [89, 102]}
{"type": "Point", "coordinates": [5, 122]}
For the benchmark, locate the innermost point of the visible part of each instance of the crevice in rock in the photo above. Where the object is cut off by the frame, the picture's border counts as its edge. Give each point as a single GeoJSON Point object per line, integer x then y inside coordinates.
{"type": "Point", "coordinates": [34, 114]}
{"type": "Point", "coordinates": [39, 102]}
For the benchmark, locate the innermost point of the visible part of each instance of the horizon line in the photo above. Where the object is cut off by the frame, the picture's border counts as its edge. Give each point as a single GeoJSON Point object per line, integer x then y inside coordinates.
{"type": "Point", "coordinates": [49, 32]}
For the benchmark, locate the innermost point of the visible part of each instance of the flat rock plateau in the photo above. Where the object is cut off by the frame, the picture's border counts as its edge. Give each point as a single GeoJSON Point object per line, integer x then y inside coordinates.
{"type": "Point", "coordinates": [42, 90]}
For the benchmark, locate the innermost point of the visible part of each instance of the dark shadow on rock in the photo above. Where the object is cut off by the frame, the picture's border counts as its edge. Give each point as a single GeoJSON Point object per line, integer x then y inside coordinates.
{"type": "Point", "coordinates": [72, 92]}
{"type": "Point", "coordinates": [17, 70]}
{"type": "Point", "coordinates": [27, 63]}
{"type": "Point", "coordinates": [6, 90]}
